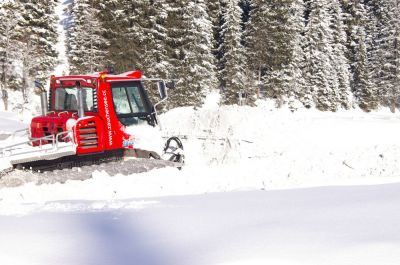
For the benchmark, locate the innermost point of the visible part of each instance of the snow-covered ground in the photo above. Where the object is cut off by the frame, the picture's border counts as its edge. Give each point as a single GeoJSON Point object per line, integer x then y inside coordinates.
{"type": "Point", "coordinates": [240, 199]}
{"type": "Point", "coordinates": [9, 123]}
{"type": "Point", "coordinates": [324, 226]}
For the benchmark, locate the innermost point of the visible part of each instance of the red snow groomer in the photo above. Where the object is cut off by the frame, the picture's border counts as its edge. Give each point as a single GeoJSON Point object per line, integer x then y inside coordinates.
{"type": "Point", "coordinates": [85, 121]}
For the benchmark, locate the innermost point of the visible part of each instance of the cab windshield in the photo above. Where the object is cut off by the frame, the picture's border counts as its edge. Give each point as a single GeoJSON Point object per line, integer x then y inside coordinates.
{"type": "Point", "coordinates": [66, 99]}
{"type": "Point", "coordinates": [130, 102]}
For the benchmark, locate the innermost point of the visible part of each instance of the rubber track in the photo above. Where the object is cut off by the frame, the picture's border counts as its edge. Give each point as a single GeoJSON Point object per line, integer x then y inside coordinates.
{"type": "Point", "coordinates": [17, 177]}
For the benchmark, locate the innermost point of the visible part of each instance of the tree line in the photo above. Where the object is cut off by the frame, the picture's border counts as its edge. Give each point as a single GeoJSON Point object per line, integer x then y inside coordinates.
{"type": "Point", "coordinates": [325, 54]}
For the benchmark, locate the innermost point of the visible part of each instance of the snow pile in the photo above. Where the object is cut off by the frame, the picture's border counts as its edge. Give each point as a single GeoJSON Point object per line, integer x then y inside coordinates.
{"type": "Point", "coordinates": [277, 146]}
{"type": "Point", "coordinates": [145, 137]}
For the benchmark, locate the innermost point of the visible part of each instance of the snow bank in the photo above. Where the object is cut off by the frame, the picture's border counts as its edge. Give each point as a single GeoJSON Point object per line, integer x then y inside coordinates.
{"type": "Point", "coordinates": [242, 148]}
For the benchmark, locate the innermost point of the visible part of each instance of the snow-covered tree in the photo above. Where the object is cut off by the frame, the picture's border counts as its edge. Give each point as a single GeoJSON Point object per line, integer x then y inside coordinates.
{"type": "Point", "coordinates": [10, 44]}
{"type": "Point", "coordinates": [364, 91]}
{"type": "Point", "coordinates": [386, 56]}
{"type": "Point", "coordinates": [153, 33]}
{"type": "Point", "coordinates": [215, 14]}
{"type": "Point", "coordinates": [195, 71]}
{"type": "Point", "coordinates": [339, 59]}
{"type": "Point", "coordinates": [257, 38]}
{"type": "Point", "coordinates": [188, 45]}
{"type": "Point", "coordinates": [359, 49]}
{"type": "Point", "coordinates": [297, 90]}
{"type": "Point", "coordinates": [28, 38]}
{"type": "Point", "coordinates": [321, 74]}
{"type": "Point", "coordinates": [113, 16]}
{"type": "Point", "coordinates": [39, 38]}
{"type": "Point", "coordinates": [140, 40]}
{"type": "Point", "coordinates": [233, 54]}
{"type": "Point", "coordinates": [86, 43]}
{"type": "Point", "coordinates": [275, 54]}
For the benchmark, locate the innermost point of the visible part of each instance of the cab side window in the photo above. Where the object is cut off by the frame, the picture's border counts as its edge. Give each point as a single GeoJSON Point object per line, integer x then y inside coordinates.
{"type": "Point", "coordinates": [120, 99]}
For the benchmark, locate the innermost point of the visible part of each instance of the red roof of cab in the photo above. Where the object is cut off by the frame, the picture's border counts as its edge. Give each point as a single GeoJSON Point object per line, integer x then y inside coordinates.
{"type": "Point", "coordinates": [129, 75]}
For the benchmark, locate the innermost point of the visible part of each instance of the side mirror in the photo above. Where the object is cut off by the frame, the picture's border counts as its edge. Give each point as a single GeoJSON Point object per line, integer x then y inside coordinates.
{"type": "Point", "coordinates": [39, 88]}
{"type": "Point", "coordinates": [162, 90]}
{"type": "Point", "coordinates": [38, 84]}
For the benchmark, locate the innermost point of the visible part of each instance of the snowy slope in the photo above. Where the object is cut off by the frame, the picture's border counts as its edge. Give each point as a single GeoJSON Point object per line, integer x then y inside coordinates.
{"type": "Point", "coordinates": [324, 226]}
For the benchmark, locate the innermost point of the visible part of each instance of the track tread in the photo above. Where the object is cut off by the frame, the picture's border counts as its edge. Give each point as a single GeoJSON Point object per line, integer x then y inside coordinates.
{"type": "Point", "coordinates": [18, 177]}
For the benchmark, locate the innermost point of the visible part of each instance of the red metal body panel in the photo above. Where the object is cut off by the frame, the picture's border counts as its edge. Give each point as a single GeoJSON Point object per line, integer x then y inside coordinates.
{"type": "Point", "coordinates": [89, 135]}
{"type": "Point", "coordinates": [97, 131]}
{"type": "Point", "coordinates": [113, 129]}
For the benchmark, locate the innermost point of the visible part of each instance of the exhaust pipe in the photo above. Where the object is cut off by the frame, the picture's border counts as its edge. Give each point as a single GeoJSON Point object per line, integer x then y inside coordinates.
{"type": "Point", "coordinates": [39, 90]}
{"type": "Point", "coordinates": [43, 102]}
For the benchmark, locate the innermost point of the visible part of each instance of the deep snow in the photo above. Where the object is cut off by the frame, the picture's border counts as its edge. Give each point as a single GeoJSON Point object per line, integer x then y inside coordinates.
{"type": "Point", "coordinates": [237, 200]}
{"type": "Point", "coordinates": [324, 226]}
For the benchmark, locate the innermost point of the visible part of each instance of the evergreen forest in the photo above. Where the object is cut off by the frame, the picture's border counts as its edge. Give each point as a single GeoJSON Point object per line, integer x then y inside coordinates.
{"type": "Point", "coordinates": [324, 54]}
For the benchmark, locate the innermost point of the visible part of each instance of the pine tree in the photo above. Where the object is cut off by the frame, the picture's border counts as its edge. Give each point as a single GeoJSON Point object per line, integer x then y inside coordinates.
{"type": "Point", "coordinates": [214, 11]}
{"type": "Point", "coordinates": [233, 60]}
{"type": "Point", "coordinates": [176, 38]}
{"type": "Point", "coordinates": [39, 55]}
{"type": "Point", "coordinates": [339, 59]}
{"type": "Point", "coordinates": [365, 93]}
{"type": "Point", "coordinates": [387, 54]}
{"type": "Point", "coordinates": [297, 86]}
{"type": "Point", "coordinates": [321, 74]}
{"type": "Point", "coordinates": [257, 39]}
{"type": "Point", "coordinates": [189, 46]}
{"type": "Point", "coordinates": [114, 17]}
{"type": "Point", "coordinates": [359, 25]}
{"type": "Point", "coordinates": [136, 34]}
{"type": "Point", "coordinates": [10, 44]}
{"type": "Point", "coordinates": [375, 60]}
{"type": "Point", "coordinates": [87, 45]}
{"type": "Point", "coordinates": [197, 75]}
{"type": "Point", "coordinates": [274, 39]}
{"type": "Point", "coordinates": [353, 16]}
{"type": "Point", "coordinates": [215, 14]}
{"type": "Point", "coordinates": [154, 51]}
